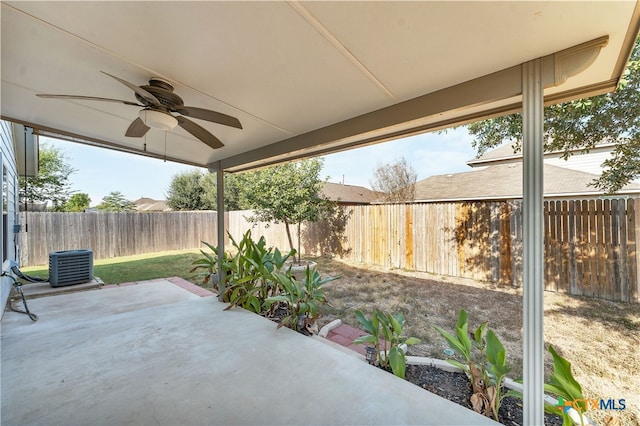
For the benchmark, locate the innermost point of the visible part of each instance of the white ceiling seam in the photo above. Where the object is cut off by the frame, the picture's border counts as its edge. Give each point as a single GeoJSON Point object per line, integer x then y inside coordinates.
{"type": "Point", "coordinates": [333, 40]}
{"type": "Point", "coordinates": [427, 112]}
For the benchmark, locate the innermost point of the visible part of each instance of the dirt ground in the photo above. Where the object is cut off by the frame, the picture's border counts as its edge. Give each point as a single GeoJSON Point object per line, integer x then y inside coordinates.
{"type": "Point", "coordinates": [601, 339]}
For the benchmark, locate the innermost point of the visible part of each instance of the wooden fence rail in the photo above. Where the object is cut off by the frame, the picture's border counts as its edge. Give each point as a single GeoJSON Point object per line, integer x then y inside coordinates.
{"type": "Point", "coordinates": [589, 245]}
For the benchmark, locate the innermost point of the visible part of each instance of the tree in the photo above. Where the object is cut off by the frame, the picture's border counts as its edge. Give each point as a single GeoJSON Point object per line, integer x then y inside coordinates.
{"type": "Point", "coordinates": [52, 181]}
{"type": "Point", "coordinates": [289, 193]}
{"type": "Point", "coordinates": [578, 126]}
{"type": "Point", "coordinates": [396, 181]}
{"type": "Point", "coordinates": [78, 202]}
{"type": "Point", "coordinates": [235, 188]}
{"type": "Point", "coordinates": [115, 202]}
{"type": "Point", "coordinates": [186, 192]}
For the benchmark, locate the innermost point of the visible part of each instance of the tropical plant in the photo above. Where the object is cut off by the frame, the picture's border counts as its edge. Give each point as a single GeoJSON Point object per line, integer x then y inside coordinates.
{"type": "Point", "coordinates": [563, 385]}
{"type": "Point", "coordinates": [208, 262]}
{"type": "Point", "coordinates": [487, 371]}
{"type": "Point", "coordinates": [386, 333]}
{"type": "Point", "coordinates": [302, 299]}
{"type": "Point", "coordinates": [569, 392]}
{"type": "Point", "coordinates": [249, 274]}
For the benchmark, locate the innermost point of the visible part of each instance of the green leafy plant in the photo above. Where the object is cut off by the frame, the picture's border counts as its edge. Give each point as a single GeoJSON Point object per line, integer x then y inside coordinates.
{"type": "Point", "coordinates": [386, 334]}
{"type": "Point", "coordinates": [487, 370]}
{"type": "Point", "coordinates": [563, 385]}
{"type": "Point", "coordinates": [249, 274]}
{"type": "Point", "coordinates": [302, 298]}
{"type": "Point", "coordinates": [208, 262]}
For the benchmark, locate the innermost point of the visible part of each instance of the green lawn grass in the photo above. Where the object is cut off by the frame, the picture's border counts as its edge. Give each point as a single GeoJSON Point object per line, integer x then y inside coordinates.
{"type": "Point", "coordinates": [138, 268]}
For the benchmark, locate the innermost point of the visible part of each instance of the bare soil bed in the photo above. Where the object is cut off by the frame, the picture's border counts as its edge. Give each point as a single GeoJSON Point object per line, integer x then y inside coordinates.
{"type": "Point", "coordinates": [600, 338]}
{"type": "Point", "coordinates": [455, 387]}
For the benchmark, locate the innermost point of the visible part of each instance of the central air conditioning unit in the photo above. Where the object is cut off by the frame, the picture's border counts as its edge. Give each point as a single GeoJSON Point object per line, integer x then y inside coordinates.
{"type": "Point", "coordinates": [70, 267]}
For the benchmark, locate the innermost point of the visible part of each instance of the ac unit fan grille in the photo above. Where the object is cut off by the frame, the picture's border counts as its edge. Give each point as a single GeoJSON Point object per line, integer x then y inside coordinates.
{"type": "Point", "coordinates": [70, 267]}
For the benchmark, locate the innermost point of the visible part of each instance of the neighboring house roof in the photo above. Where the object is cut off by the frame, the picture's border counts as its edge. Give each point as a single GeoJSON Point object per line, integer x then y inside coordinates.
{"type": "Point", "coordinates": [504, 154]}
{"type": "Point", "coordinates": [151, 205]}
{"type": "Point", "coordinates": [144, 200]}
{"type": "Point", "coordinates": [504, 181]}
{"type": "Point", "coordinates": [348, 194]}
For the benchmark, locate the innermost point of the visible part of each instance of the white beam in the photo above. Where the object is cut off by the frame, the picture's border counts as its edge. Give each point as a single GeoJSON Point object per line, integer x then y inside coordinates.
{"type": "Point", "coordinates": [221, 226]}
{"type": "Point", "coordinates": [533, 253]}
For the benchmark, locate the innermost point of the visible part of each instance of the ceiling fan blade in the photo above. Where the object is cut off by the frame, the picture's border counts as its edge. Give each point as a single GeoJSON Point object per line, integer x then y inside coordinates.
{"type": "Point", "coordinates": [87, 98]}
{"type": "Point", "coordinates": [208, 115]}
{"type": "Point", "coordinates": [139, 90]}
{"type": "Point", "coordinates": [199, 132]}
{"type": "Point", "coordinates": [137, 129]}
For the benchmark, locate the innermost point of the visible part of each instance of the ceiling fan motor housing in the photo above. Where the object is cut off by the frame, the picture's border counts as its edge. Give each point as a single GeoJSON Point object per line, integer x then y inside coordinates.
{"type": "Point", "coordinates": [163, 91]}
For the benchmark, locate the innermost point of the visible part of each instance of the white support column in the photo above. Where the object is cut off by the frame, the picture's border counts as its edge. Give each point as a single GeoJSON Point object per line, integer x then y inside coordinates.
{"type": "Point", "coordinates": [221, 225]}
{"type": "Point", "coordinates": [533, 250]}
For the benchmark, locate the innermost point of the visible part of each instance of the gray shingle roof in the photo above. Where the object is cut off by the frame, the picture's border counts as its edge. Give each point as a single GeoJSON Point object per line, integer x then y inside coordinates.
{"type": "Point", "coordinates": [504, 181]}
{"type": "Point", "coordinates": [348, 194]}
{"type": "Point", "coordinates": [151, 205]}
{"type": "Point", "coordinates": [504, 153]}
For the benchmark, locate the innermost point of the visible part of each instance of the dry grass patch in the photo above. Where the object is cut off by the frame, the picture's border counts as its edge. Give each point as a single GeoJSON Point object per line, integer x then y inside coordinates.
{"type": "Point", "coordinates": [600, 338]}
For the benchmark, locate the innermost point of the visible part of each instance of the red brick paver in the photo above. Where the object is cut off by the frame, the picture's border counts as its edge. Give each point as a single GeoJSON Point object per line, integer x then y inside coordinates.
{"type": "Point", "coordinates": [344, 335]}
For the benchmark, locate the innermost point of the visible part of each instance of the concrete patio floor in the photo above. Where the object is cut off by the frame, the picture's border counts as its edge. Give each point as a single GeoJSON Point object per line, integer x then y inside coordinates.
{"type": "Point", "coordinates": [155, 353]}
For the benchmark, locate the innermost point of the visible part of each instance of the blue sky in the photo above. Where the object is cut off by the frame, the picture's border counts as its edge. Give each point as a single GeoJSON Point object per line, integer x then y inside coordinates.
{"type": "Point", "coordinates": [100, 171]}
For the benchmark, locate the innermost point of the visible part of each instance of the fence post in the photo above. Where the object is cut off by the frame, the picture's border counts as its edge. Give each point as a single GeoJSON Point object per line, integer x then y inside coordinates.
{"type": "Point", "coordinates": [635, 294]}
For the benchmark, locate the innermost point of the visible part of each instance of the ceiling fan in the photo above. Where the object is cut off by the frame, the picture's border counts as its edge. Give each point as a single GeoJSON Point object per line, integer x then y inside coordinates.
{"type": "Point", "coordinates": [158, 102]}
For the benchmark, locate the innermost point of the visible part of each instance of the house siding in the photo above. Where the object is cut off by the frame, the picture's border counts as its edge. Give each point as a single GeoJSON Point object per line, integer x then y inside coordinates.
{"type": "Point", "coordinates": [10, 243]}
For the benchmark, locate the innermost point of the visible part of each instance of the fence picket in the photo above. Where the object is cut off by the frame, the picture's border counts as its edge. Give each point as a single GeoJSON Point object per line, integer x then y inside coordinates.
{"type": "Point", "coordinates": [590, 246]}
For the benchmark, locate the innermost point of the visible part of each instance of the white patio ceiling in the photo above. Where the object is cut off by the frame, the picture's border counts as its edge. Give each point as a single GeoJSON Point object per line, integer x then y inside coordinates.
{"type": "Point", "coordinates": [291, 70]}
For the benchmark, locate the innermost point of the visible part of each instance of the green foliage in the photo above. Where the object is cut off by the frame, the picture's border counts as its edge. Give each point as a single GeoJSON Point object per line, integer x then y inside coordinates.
{"type": "Point", "coordinates": [116, 202]}
{"type": "Point", "coordinates": [386, 335]}
{"type": "Point", "coordinates": [235, 189]}
{"type": "Point", "coordinates": [487, 370]}
{"type": "Point", "coordinates": [249, 275]}
{"type": "Point", "coordinates": [302, 299]}
{"type": "Point", "coordinates": [289, 193]}
{"type": "Point", "coordinates": [77, 203]}
{"type": "Point", "coordinates": [578, 126]}
{"type": "Point", "coordinates": [187, 193]}
{"type": "Point", "coordinates": [52, 181]}
{"type": "Point", "coordinates": [565, 387]}
{"type": "Point", "coordinates": [208, 262]}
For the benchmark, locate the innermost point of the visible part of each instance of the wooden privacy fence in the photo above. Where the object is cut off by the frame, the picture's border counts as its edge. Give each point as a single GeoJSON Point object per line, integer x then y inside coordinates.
{"type": "Point", "coordinates": [112, 234]}
{"type": "Point", "coordinates": [589, 245]}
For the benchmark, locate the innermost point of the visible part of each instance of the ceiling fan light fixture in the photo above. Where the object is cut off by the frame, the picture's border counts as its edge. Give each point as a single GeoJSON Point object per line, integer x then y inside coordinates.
{"type": "Point", "coordinates": [158, 120]}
